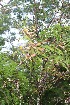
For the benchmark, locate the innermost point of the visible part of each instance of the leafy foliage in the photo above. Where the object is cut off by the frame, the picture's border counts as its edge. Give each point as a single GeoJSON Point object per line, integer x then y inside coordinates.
{"type": "Point", "coordinates": [46, 62]}
{"type": "Point", "coordinates": [13, 83]}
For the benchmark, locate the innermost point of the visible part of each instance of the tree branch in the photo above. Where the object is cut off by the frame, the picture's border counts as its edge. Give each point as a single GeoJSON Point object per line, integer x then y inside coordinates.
{"type": "Point", "coordinates": [1, 4]}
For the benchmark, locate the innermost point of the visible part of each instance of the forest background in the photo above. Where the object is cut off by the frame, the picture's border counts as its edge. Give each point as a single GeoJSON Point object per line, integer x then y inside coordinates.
{"type": "Point", "coordinates": [37, 71]}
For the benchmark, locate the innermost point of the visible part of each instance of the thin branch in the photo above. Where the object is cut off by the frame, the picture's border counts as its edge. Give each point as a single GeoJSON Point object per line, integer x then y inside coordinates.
{"type": "Point", "coordinates": [1, 4]}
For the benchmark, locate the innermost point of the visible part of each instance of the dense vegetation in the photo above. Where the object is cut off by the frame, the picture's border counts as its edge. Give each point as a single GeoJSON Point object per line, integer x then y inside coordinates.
{"type": "Point", "coordinates": [37, 73]}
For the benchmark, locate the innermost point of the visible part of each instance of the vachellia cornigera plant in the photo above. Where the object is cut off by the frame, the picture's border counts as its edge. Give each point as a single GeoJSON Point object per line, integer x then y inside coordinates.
{"type": "Point", "coordinates": [46, 63]}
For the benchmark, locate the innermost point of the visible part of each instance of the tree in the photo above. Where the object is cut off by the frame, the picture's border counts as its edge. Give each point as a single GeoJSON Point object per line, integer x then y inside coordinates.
{"type": "Point", "coordinates": [47, 64]}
